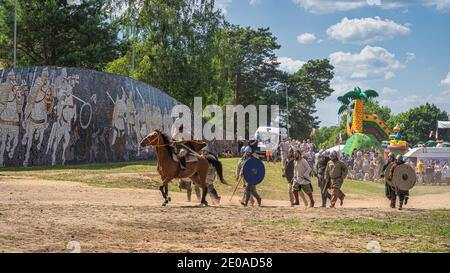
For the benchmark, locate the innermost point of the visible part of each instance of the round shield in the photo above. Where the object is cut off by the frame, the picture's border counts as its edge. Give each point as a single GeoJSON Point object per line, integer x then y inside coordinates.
{"type": "Point", "coordinates": [387, 172]}
{"type": "Point", "coordinates": [254, 171]}
{"type": "Point", "coordinates": [404, 177]}
{"type": "Point", "coordinates": [289, 171]}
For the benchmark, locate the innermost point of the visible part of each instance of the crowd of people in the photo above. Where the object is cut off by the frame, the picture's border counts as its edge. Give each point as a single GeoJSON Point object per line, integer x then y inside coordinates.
{"type": "Point", "coordinates": [363, 165]}
{"type": "Point", "coordinates": [433, 172]}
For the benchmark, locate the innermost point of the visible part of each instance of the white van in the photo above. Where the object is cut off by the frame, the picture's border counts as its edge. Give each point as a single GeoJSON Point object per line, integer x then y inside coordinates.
{"type": "Point", "coordinates": [269, 137]}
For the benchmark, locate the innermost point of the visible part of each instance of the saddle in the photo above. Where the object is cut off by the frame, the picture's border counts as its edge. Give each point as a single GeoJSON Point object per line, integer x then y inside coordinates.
{"type": "Point", "coordinates": [189, 157]}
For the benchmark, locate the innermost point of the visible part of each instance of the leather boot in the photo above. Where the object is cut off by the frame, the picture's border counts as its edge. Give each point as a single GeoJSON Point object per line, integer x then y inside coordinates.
{"type": "Point", "coordinates": [296, 203]}
{"type": "Point", "coordinates": [183, 163]}
{"type": "Point", "coordinates": [311, 200]}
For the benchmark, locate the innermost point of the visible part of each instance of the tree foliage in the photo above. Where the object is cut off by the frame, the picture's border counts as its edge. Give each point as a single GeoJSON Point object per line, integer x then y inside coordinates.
{"type": "Point", "coordinates": [417, 123]}
{"type": "Point", "coordinates": [57, 32]}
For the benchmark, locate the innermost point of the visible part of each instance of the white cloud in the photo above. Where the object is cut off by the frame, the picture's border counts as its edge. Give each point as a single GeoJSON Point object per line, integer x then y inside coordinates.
{"type": "Point", "coordinates": [330, 6]}
{"type": "Point", "coordinates": [357, 69]}
{"type": "Point", "coordinates": [402, 103]}
{"type": "Point", "coordinates": [254, 2]}
{"type": "Point", "coordinates": [290, 65]}
{"type": "Point", "coordinates": [224, 4]}
{"type": "Point", "coordinates": [306, 38]}
{"type": "Point", "coordinates": [410, 57]}
{"type": "Point", "coordinates": [439, 4]}
{"type": "Point", "coordinates": [370, 63]}
{"type": "Point", "coordinates": [366, 30]}
{"type": "Point", "coordinates": [446, 81]}
{"type": "Point", "coordinates": [388, 90]}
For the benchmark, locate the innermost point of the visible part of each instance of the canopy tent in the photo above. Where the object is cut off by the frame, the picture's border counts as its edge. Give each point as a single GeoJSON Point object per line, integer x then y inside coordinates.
{"type": "Point", "coordinates": [442, 125]}
{"type": "Point", "coordinates": [337, 148]}
{"type": "Point", "coordinates": [429, 153]}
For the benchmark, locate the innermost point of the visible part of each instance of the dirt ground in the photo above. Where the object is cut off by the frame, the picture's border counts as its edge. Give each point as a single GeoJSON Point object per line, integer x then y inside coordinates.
{"type": "Point", "coordinates": [42, 216]}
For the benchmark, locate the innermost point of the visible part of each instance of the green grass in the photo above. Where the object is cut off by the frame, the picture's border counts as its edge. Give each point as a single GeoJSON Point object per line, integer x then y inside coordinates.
{"type": "Point", "coordinates": [136, 174]}
{"type": "Point", "coordinates": [285, 222]}
{"type": "Point", "coordinates": [422, 231]}
{"type": "Point", "coordinates": [432, 223]}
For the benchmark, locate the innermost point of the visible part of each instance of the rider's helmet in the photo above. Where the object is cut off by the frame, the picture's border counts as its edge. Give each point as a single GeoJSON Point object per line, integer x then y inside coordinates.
{"type": "Point", "coordinates": [248, 150]}
{"type": "Point", "coordinates": [205, 149]}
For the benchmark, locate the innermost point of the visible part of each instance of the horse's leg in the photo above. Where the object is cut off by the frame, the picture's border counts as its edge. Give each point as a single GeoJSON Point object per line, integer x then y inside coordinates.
{"type": "Point", "coordinates": [65, 144]}
{"type": "Point", "coordinates": [41, 137]}
{"type": "Point", "coordinates": [164, 188]}
{"type": "Point", "coordinates": [15, 141]}
{"type": "Point", "coordinates": [3, 145]}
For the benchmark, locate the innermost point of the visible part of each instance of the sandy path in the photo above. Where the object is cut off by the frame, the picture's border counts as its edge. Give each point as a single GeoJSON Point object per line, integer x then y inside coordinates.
{"type": "Point", "coordinates": [38, 215]}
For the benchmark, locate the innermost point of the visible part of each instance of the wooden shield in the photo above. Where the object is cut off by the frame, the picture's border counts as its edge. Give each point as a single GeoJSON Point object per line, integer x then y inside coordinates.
{"type": "Point", "coordinates": [289, 172]}
{"type": "Point", "coordinates": [404, 177]}
{"type": "Point", "coordinates": [387, 172]}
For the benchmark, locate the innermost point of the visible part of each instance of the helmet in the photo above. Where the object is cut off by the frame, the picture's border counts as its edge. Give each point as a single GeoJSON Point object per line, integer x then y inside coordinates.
{"type": "Point", "coordinates": [243, 149]}
{"type": "Point", "coordinates": [399, 158]}
{"type": "Point", "coordinates": [334, 154]}
{"type": "Point", "coordinates": [247, 149]}
{"type": "Point", "coordinates": [291, 150]}
{"type": "Point", "coordinates": [326, 154]}
{"type": "Point", "coordinates": [205, 149]}
{"type": "Point", "coordinates": [392, 155]}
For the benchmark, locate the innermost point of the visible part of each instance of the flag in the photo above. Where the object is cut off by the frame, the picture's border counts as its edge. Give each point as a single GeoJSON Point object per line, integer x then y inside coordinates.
{"type": "Point", "coordinates": [313, 132]}
{"type": "Point", "coordinates": [340, 137]}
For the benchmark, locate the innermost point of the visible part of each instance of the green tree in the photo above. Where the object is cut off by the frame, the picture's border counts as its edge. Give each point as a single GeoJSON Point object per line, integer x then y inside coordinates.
{"type": "Point", "coordinates": [373, 107]}
{"type": "Point", "coordinates": [181, 49]}
{"type": "Point", "coordinates": [57, 32]}
{"type": "Point", "coordinates": [308, 85]}
{"type": "Point", "coordinates": [418, 122]}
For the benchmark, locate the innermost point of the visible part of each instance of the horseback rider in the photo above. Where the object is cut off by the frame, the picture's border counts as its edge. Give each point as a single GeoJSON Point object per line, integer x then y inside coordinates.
{"type": "Point", "coordinates": [302, 178]}
{"type": "Point", "coordinates": [180, 137]}
{"type": "Point", "coordinates": [319, 171]}
{"type": "Point", "coordinates": [403, 196]}
{"type": "Point", "coordinates": [249, 189]}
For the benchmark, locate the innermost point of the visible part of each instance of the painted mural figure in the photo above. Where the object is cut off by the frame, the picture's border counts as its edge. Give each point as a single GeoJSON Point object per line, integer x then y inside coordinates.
{"type": "Point", "coordinates": [12, 98]}
{"type": "Point", "coordinates": [39, 105]}
{"type": "Point", "coordinates": [119, 119]}
{"type": "Point", "coordinates": [66, 113]}
{"type": "Point", "coordinates": [131, 114]}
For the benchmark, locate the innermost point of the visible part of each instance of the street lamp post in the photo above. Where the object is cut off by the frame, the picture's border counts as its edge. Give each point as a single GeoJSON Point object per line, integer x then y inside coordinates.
{"type": "Point", "coordinates": [287, 111]}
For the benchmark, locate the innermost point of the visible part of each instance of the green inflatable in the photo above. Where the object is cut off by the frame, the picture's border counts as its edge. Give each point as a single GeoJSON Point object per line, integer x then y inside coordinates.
{"type": "Point", "coordinates": [360, 142]}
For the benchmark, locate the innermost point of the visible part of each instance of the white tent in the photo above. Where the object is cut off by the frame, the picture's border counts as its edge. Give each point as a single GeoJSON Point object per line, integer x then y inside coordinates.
{"type": "Point", "coordinates": [337, 148]}
{"type": "Point", "coordinates": [442, 125]}
{"type": "Point", "coordinates": [429, 153]}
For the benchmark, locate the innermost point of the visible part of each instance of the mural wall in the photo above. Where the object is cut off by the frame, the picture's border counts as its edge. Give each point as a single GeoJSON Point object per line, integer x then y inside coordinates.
{"type": "Point", "coordinates": [58, 115]}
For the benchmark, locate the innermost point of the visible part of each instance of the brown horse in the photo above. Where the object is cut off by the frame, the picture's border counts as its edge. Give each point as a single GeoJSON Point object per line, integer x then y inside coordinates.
{"type": "Point", "coordinates": [169, 169]}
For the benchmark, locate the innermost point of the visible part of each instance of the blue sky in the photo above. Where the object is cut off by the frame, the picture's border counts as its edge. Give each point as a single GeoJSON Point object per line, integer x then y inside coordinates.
{"type": "Point", "coordinates": [399, 48]}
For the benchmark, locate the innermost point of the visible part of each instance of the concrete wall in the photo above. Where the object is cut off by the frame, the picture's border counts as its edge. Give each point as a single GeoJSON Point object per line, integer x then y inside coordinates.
{"type": "Point", "coordinates": [55, 115]}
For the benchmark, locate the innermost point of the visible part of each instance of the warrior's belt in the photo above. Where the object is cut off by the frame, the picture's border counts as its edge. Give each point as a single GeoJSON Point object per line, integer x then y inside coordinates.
{"type": "Point", "coordinates": [9, 122]}
{"type": "Point", "coordinates": [36, 121]}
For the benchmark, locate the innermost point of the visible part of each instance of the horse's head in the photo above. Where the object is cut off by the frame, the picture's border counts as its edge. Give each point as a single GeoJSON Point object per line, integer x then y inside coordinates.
{"type": "Point", "coordinates": [152, 139]}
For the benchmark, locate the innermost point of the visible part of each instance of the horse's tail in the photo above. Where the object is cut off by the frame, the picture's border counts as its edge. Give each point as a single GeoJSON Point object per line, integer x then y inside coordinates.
{"type": "Point", "coordinates": [213, 160]}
